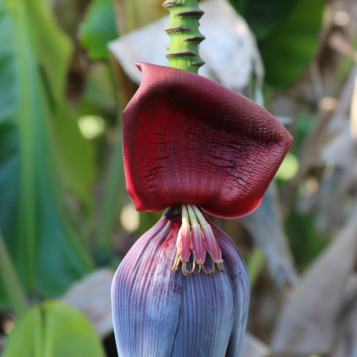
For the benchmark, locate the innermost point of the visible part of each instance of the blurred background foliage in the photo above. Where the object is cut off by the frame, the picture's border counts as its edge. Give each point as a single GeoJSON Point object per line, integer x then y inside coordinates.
{"type": "Point", "coordinates": [66, 220]}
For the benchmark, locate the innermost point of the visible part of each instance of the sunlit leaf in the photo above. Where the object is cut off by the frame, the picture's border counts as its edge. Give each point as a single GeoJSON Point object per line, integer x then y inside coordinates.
{"type": "Point", "coordinates": [74, 153]}
{"type": "Point", "coordinates": [53, 329]}
{"type": "Point", "coordinates": [26, 339]}
{"type": "Point", "coordinates": [288, 168]}
{"type": "Point", "coordinates": [132, 14]}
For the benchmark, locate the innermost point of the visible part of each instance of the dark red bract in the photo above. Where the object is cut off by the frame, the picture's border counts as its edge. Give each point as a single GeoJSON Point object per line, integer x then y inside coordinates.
{"type": "Point", "coordinates": [189, 140]}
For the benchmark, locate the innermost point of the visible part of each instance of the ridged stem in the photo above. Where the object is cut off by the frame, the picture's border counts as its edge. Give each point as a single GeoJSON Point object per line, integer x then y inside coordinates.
{"type": "Point", "coordinates": [184, 34]}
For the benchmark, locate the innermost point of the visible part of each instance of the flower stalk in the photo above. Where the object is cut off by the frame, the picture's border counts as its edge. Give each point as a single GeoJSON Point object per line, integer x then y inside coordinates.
{"type": "Point", "coordinates": [185, 37]}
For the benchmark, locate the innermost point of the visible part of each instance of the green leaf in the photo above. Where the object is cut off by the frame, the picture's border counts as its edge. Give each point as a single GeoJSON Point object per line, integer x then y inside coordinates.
{"type": "Point", "coordinates": [9, 164]}
{"type": "Point", "coordinates": [98, 28]}
{"type": "Point", "coordinates": [46, 251]}
{"type": "Point", "coordinates": [288, 50]}
{"type": "Point", "coordinates": [53, 329]}
{"type": "Point", "coordinates": [53, 50]}
{"type": "Point", "coordinates": [10, 281]}
{"type": "Point", "coordinates": [75, 154]}
{"type": "Point", "coordinates": [52, 47]}
{"type": "Point", "coordinates": [26, 338]}
{"type": "Point", "coordinates": [263, 16]}
{"type": "Point", "coordinates": [114, 185]}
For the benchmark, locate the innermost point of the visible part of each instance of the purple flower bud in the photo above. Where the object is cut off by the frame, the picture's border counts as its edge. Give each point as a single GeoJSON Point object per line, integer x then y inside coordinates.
{"type": "Point", "coordinates": [158, 312]}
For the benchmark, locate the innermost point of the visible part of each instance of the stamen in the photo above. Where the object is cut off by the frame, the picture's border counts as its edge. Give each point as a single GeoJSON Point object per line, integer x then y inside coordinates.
{"type": "Point", "coordinates": [211, 244]}
{"type": "Point", "coordinates": [214, 269]}
{"type": "Point", "coordinates": [205, 271]}
{"type": "Point", "coordinates": [220, 267]}
{"type": "Point", "coordinates": [193, 266]}
{"type": "Point", "coordinates": [185, 272]}
{"type": "Point", "coordinates": [196, 235]}
{"type": "Point", "coordinates": [199, 270]}
{"type": "Point", "coordinates": [185, 236]}
{"type": "Point", "coordinates": [176, 261]}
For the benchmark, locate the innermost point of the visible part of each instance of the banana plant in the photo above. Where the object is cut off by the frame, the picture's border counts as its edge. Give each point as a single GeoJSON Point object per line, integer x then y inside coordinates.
{"type": "Point", "coordinates": [43, 156]}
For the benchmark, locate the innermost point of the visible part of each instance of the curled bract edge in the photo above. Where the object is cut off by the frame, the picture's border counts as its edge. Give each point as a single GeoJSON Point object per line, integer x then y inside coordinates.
{"type": "Point", "coordinates": [189, 140]}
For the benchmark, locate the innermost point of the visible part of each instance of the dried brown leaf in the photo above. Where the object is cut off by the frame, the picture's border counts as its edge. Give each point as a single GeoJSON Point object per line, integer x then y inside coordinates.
{"type": "Point", "coordinates": [265, 227]}
{"type": "Point", "coordinates": [307, 324]}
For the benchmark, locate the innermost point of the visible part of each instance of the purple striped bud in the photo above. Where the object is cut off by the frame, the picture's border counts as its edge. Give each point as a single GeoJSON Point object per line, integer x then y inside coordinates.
{"type": "Point", "coordinates": [158, 312]}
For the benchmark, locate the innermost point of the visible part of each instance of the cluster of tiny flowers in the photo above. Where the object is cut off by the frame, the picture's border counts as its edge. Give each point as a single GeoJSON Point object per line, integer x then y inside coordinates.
{"type": "Point", "coordinates": [196, 236]}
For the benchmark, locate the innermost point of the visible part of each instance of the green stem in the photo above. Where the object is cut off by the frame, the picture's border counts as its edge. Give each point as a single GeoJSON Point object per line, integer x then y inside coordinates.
{"type": "Point", "coordinates": [184, 34]}
{"type": "Point", "coordinates": [13, 289]}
